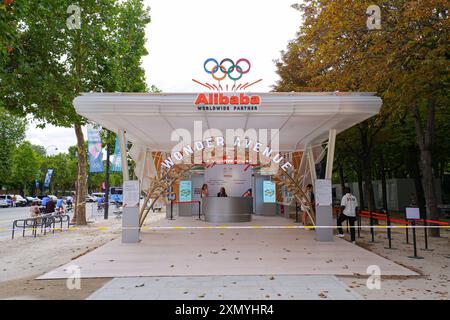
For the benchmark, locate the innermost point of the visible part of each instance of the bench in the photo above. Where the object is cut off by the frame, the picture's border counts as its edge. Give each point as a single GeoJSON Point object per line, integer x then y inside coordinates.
{"type": "Point", "coordinates": [43, 221]}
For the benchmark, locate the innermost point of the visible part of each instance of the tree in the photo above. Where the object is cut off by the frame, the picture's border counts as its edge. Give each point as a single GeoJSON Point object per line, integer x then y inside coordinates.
{"type": "Point", "coordinates": [25, 166]}
{"type": "Point", "coordinates": [62, 62]}
{"type": "Point", "coordinates": [406, 63]}
{"type": "Point", "coordinates": [12, 132]}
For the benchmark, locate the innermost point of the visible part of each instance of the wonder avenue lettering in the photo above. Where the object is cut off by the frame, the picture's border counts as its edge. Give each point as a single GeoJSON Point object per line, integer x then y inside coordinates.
{"type": "Point", "coordinates": [211, 143]}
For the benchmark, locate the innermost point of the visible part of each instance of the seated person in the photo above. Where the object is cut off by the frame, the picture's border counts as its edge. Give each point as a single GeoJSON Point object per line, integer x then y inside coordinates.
{"type": "Point", "coordinates": [60, 205]}
{"type": "Point", "coordinates": [222, 193]}
{"type": "Point", "coordinates": [35, 211]}
{"type": "Point", "coordinates": [50, 207]}
{"type": "Point", "coordinates": [45, 201]}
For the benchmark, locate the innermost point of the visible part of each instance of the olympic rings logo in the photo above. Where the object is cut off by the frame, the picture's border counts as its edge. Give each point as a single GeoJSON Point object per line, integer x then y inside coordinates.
{"type": "Point", "coordinates": [227, 70]}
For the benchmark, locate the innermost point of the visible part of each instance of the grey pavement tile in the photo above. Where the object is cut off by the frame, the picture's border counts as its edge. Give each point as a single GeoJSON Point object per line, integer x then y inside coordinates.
{"type": "Point", "coordinates": [226, 287]}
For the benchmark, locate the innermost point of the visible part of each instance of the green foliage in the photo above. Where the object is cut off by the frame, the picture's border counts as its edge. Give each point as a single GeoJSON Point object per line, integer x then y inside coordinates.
{"type": "Point", "coordinates": [12, 132]}
{"type": "Point", "coordinates": [25, 166]}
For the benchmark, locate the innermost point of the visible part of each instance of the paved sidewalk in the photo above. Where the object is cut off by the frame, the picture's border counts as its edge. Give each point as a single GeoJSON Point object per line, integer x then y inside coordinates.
{"type": "Point", "coordinates": [286, 287]}
{"type": "Point", "coordinates": [188, 252]}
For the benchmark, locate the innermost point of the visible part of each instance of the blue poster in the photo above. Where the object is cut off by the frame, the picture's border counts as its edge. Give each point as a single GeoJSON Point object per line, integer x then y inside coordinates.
{"type": "Point", "coordinates": [116, 164]}
{"type": "Point", "coordinates": [185, 191]}
{"type": "Point", "coordinates": [269, 194]}
{"type": "Point", "coordinates": [95, 149]}
{"type": "Point", "coordinates": [48, 178]}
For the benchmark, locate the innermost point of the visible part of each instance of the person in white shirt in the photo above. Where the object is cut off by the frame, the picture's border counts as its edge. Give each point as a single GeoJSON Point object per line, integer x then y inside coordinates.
{"type": "Point", "coordinates": [349, 205]}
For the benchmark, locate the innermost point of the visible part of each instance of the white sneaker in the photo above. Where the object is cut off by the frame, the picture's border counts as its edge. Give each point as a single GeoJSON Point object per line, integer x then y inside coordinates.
{"type": "Point", "coordinates": [340, 235]}
{"type": "Point", "coordinates": [354, 242]}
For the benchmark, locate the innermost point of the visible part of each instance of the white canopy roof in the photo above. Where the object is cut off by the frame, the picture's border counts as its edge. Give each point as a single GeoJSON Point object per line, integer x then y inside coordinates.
{"type": "Point", "coordinates": [302, 118]}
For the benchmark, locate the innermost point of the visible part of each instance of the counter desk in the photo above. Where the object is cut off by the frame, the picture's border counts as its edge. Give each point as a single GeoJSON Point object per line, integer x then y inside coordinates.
{"type": "Point", "coordinates": [227, 209]}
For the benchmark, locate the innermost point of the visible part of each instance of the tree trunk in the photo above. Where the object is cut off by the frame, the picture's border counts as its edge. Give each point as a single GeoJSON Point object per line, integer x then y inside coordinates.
{"type": "Point", "coordinates": [383, 183]}
{"type": "Point", "coordinates": [425, 142]}
{"type": "Point", "coordinates": [368, 186]}
{"type": "Point", "coordinates": [81, 178]}
{"type": "Point", "coordinates": [341, 176]}
{"type": "Point", "coordinates": [361, 190]}
{"type": "Point", "coordinates": [413, 168]}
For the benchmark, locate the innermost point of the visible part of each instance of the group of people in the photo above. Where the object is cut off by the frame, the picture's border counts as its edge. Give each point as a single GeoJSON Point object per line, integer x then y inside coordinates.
{"type": "Point", "coordinates": [348, 208]}
{"type": "Point", "coordinates": [205, 192]}
{"type": "Point", "coordinates": [49, 206]}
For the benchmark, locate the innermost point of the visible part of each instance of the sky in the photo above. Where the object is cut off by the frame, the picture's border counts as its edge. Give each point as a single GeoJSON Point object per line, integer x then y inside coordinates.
{"type": "Point", "coordinates": [183, 34]}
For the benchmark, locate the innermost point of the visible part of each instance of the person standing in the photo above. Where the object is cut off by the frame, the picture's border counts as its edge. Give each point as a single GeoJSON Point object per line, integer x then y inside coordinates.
{"type": "Point", "coordinates": [205, 192]}
{"type": "Point", "coordinates": [14, 199]}
{"type": "Point", "coordinates": [349, 205]}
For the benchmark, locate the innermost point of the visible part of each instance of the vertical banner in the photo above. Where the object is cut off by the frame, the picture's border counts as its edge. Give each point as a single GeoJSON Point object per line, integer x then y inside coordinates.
{"type": "Point", "coordinates": [269, 194]}
{"type": "Point", "coordinates": [48, 178]}
{"type": "Point", "coordinates": [185, 191]}
{"type": "Point", "coordinates": [95, 150]}
{"type": "Point", "coordinates": [116, 165]}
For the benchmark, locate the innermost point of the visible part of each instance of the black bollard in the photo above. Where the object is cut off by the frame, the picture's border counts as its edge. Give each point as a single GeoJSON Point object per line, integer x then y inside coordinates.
{"type": "Point", "coordinates": [199, 212]}
{"type": "Point", "coordinates": [407, 234]}
{"type": "Point", "coordinates": [372, 232]}
{"type": "Point", "coordinates": [296, 212]}
{"type": "Point", "coordinates": [171, 210]}
{"type": "Point", "coordinates": [425, 227]}
{"type": "Point", "coordinates": [414, 242]}
{"type": "Point", "coordinates": [359, 225]}
{"type": "Point", "coordinates": [389, 234]}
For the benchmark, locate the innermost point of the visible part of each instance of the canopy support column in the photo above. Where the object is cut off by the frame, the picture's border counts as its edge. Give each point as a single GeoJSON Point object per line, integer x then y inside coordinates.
{"type": "Point", "coordinates": [324, 211]}
{"type": "Point", "coordinates": [330, 154]}
{"type": "Point", "coordinates": [123, 154]}
{"type": "Point", "coordinates": [312, 166]}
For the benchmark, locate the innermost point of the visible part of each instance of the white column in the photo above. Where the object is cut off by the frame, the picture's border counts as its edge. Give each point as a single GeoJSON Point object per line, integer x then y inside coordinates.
{"type": "Point", "coordinates": [123, 153]}
{"type": "Point", "coordinates": [312, 166]}
{"type": "Point", "coordinates": [330, 154]}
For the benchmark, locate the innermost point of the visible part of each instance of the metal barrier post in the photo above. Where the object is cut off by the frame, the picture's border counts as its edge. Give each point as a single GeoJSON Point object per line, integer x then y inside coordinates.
{"type": "Point", "coordinates": [425, 224]}
{"type": "Point", "coordinates": [407, 235]}
{"type": "Point", "coordinates": [372, 232]}
{"type": "Point", "coordinates": [414, 242]}
{"type": "Point", "coordinates": [358, 220]}
{"type": "Point", "coordinates": [388, 223]}
{"type": "Point", "coordinates": [171, 210]}
{"type": "Point", "coordinates": [199, 214]}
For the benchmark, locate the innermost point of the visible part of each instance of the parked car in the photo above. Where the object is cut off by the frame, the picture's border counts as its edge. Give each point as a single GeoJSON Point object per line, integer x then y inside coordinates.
{"type": "Point", "coordinates": [90, 198]}
{"type": "Point", "coordinates": [20, 201]}
{"type": "Point", "coordinates": [98, 194]}
{"type": "Point", "coordinates": [31, 199]}
{"type": "Point", "coordinates": [4, 203]}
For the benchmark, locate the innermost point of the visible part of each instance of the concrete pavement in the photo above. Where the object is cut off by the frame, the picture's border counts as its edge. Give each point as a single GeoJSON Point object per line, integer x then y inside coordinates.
{"type": "Point", "coordinates": [292, 287]}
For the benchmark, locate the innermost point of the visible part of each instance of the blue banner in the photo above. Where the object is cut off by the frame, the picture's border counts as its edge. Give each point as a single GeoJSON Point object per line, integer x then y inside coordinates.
{"type": "Point", "coordinates": [95, 150]}
{"type": "Point", "coordinates": [116, 164]}
{"type": "Point", "coordinates": [269, 194]}
{"type": "Point", "coordinates": [48, 178]}
{"type": "Point", "coordinates": [185, 191]}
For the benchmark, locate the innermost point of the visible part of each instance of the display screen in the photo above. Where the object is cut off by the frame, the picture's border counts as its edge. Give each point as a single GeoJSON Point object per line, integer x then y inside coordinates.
{"type": "Point", "coordinates": [185, 191]}
{"type": "Point", "coordinates": [269, 194]}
